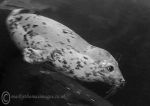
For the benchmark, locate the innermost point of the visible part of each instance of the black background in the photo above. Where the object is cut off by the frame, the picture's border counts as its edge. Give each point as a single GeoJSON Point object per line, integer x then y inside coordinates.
{"type": "Point", "coordinates": [120, 26]}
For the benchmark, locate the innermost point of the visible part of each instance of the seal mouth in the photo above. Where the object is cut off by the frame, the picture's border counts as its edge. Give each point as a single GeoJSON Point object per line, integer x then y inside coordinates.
{"type": "Point", "coordinates": [116, 84]}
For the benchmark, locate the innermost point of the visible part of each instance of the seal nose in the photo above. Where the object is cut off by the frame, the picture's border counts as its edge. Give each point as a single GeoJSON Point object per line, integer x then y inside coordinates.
{"type": "Point", "coordinates": [122, 82]}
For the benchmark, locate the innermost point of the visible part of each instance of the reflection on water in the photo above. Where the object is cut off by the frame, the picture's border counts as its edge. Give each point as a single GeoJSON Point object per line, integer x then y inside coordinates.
{"type": "Point", "coordinates": [121, 27]}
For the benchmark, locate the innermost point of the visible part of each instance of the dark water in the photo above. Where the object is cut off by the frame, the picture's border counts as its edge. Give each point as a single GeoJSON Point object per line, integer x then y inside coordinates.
{"type": "Point", "coordinates": [120, 26]}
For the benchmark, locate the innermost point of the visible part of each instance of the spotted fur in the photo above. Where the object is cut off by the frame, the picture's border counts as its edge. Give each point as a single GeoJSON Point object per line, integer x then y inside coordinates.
{"type": "Point", "coordinates": [43, 39]}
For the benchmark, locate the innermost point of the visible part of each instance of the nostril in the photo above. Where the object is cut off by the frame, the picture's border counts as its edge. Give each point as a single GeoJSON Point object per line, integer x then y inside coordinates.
{"type": "Point", "coordinates": [122, 81]}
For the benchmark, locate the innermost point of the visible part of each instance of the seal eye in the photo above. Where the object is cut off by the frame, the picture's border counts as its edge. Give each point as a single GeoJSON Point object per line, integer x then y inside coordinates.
{"type": "Point", "coordinates": [110, 68]}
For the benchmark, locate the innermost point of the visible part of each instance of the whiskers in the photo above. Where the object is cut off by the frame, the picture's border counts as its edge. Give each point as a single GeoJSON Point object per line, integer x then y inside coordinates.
{"type": "Point", "coordinates": [118, 57]}
{"type": "Point", "coordinates": [111, 91]}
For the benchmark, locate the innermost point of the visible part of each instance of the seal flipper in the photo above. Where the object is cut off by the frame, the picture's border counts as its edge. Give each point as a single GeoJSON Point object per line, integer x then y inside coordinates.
{"type": "Point", "coordinates": [23, 10]}
{"type": "Point", "coordinates": [34, 55]}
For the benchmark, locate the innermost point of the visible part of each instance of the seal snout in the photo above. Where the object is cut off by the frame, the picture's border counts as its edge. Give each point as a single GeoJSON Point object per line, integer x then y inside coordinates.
{"type": "Point", "coordinates": [120, 82]}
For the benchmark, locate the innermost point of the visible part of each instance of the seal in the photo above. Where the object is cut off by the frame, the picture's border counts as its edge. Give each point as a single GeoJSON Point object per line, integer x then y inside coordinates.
{"type": "Point", "coordinates": [42, 39]}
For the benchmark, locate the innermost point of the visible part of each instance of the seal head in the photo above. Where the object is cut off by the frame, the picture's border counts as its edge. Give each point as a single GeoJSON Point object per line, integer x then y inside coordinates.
{"type": "Point", "coordinates": [108, 66]}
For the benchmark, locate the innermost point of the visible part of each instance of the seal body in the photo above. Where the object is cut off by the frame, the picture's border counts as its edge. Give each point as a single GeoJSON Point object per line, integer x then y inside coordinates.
{"type": "Point", "coordinates": [45, 40]}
